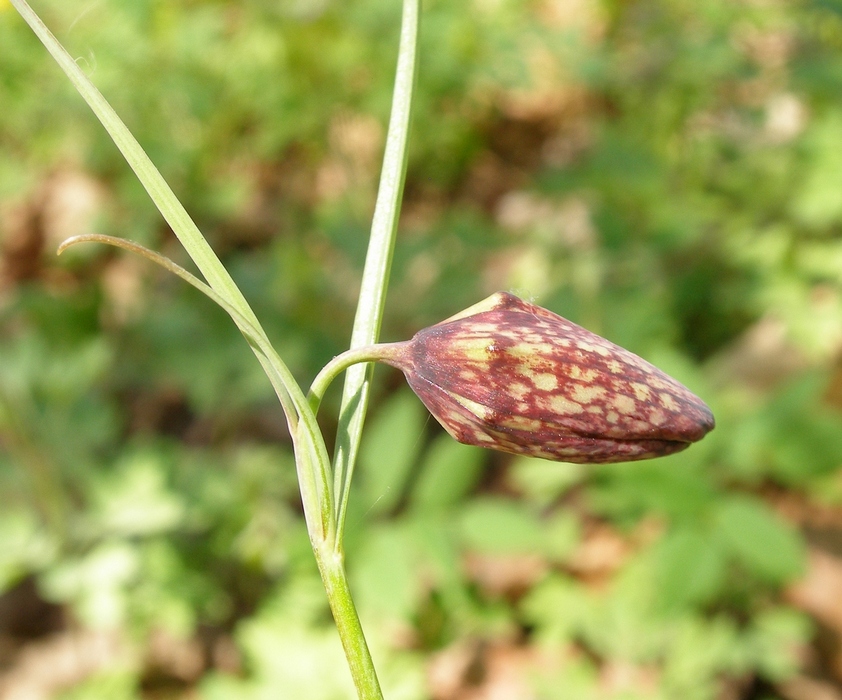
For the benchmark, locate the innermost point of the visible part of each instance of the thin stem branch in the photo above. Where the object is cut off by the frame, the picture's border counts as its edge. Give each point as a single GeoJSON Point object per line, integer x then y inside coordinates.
{"type": "Point", "coordinates": [313, 470]}
{"type": "Point", "coordinates": [349, 358]}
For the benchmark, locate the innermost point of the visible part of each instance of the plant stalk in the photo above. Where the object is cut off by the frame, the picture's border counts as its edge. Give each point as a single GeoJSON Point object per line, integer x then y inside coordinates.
{"type": "Point", "coordinates": [332, 569]}
{"type": "Point", "coordinates": [378, 262]}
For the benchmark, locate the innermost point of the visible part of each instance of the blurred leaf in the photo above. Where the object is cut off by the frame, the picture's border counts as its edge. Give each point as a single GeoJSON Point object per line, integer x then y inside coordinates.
{"type": "Point", "coordinates": [112, 684]}
{"type": "Point", "coordinates": [759, 540]}
{"type": "Point", "coordinates": [448, 472]}
{"type": "Point", "coordinates": [620, 623]}
{"type": "Point", "coordinates": [96, 584]}
{"type": "Point", "coordinates": [805, 437]}
{"type": "Point", "coordinates": [818, 202]}
{"type": "Point", "coordinates": [169, 595]}
{"type": "Point", "coordinates": [776, 639]}
{"type": "Point", "coordinates": [385, 574]}
{"type": "Point", "coordinates": [27, 547]}
{"type": "Point", "coordinates": [691, 568]}
{"type": "Point", "coordinates": [135, 500]}
{"type": "Point", "coordinates": [543, 482]}
{"type": "Point", "coordinates": [578, 679]}
{"type": "Point", "coordinates": [388, 451]}
{"type": "Point", "coordinates": [699, 653]}
{"type": "Point", "coordinates": [562, 535]}
{"type": "Point", "coordinates": [832, 5]}
{"type": "Point", "coordinates": [664, 486]}
{"type": "Point", "coordinates": [500, 526]}
{"type": "Point", "coordinates": [556, 607]}
{"type": "Point", "coordinates": [794, 436]}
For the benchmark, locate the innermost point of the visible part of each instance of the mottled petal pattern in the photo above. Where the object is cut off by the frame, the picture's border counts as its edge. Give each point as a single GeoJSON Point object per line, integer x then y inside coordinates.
{"type": "Point", "coordinates": [512, 376]}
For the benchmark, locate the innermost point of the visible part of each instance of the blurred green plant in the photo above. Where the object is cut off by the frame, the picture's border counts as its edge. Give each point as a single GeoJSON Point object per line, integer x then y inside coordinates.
{"type": "Point", "coordinates": [660, 172]}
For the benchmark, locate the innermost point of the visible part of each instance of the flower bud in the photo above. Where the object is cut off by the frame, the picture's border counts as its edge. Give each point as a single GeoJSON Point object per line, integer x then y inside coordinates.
{"type": "Point", "coordinates": [515, 377]}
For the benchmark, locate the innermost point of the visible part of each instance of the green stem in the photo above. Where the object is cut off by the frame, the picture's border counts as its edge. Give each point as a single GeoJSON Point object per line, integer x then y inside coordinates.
{"type": "Point", "coordinates": [332, 569]}
{"type": "Point", "coordinates": [378, 262]}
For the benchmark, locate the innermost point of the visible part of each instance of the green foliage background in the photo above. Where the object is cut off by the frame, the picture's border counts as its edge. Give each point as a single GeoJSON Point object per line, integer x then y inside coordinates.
{"type": "Point", "coordinates": [667, 173]}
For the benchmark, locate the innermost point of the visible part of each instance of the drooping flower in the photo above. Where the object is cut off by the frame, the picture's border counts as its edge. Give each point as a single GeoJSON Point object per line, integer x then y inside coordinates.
{"type": "Point", "coordinates": [512, 376]}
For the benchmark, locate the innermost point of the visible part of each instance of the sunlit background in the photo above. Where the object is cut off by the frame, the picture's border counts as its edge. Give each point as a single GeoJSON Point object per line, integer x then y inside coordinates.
{"type": "Point", "coordinates": [667, 173]}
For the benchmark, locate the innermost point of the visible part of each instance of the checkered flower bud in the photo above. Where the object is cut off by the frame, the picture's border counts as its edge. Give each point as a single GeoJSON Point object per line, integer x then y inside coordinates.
{"type": "Point", "coordinates": [515, 377]}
